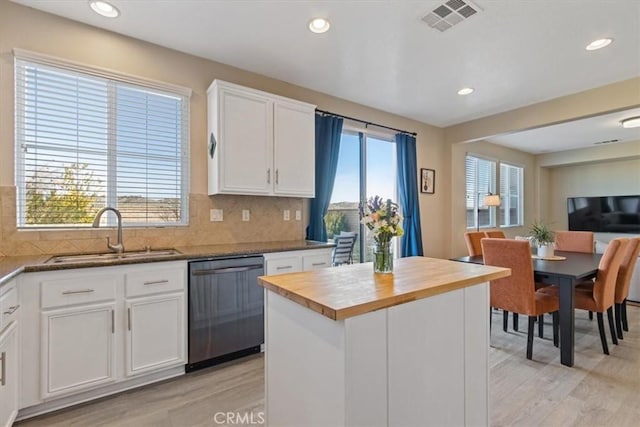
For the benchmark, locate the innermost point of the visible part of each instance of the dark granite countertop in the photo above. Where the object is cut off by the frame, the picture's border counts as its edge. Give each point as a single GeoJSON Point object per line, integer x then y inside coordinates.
{"type": "Point", "coordinates": [12, 266]}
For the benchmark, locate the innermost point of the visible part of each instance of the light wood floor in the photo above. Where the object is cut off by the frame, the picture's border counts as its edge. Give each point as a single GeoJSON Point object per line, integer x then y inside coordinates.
{"type": "Point", "coordinates": [598, 391]}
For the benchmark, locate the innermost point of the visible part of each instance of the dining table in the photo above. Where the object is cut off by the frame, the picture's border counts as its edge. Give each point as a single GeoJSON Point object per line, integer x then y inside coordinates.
{"type": "Point", "coordinates": [565, 271]}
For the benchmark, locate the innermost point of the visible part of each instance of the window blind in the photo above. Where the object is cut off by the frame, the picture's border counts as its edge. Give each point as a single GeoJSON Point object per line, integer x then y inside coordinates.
{"type": "Point", "coordinates": [86, 141]}
{"type": "Point", "coordinates": [480, 178]}
{"type": "Point", "coordinates": [511, 191]}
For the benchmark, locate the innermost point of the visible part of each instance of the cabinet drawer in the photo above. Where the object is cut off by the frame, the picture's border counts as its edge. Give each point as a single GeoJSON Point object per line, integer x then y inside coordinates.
{"type": "Point", "coordinates": [78, 290]}
{"type": "Point", "coordinates": [8, 304]}
{"type": "Point", "coordinates": [314, 262]}
{"type": "Point", "coordinates": [290, 264]}
{"type": "Point", "coordinates": [149, 282]}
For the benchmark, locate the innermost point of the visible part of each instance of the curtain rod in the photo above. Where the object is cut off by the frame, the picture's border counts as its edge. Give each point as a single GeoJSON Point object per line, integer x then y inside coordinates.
{"type": "Point", "coordinates": [325, 113]}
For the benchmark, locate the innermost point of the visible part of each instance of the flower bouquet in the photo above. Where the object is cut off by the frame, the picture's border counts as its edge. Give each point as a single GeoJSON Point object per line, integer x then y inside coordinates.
{"type": "Point", "coordinates": [383, 219]}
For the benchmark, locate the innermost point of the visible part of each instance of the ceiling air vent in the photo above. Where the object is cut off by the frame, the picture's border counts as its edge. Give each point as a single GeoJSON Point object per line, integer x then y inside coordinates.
{"type": "Point", "coordinates": [450, 13]}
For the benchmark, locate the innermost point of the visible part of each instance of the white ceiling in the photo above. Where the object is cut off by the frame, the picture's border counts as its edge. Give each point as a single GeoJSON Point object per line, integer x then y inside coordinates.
{"type": "Point", "coordinates": [575, 134]}
{"type": "Point", "coordinates": [379, 53]}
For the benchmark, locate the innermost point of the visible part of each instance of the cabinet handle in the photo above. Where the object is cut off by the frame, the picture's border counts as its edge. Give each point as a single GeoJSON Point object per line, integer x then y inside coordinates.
{"type": "Point", "coordinates": [129, 318]}
{"type": "Point", "coordinates": [3, 371]}
{"type": "Point", "coordinates": [156, 282]}
{"type": "Point", "coordinates": [79, 291]}
{"type": "Point", "coordinates": [113, 322]}
{"type": "Point", "coordinates": [269, 176]}
{"type": "Point", "coordinates": [212, 145]}
{"type": "Point", "coordinates": [12, 309]}
{"type": "Point", "coordinates": [277, 170]}
{"type": "Point", "coordinates": [318, 264]}
{"type": "Point", "coordinates": [284, 267]}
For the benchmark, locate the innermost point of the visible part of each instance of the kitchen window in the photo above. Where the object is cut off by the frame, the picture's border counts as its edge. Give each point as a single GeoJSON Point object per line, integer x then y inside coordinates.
{"type": "Point", "coordinates": [88, 138]}
{"type": "Point", "coordinates": [366, 167]}
{"type": "Point", "coordinates": [480, 180]}
{"type": "Point", "coordinates": [511, 190]}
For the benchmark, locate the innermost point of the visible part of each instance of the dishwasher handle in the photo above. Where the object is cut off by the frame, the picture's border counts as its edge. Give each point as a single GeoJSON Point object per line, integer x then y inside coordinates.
{"type": "Point", "coordinates": [226, 270]}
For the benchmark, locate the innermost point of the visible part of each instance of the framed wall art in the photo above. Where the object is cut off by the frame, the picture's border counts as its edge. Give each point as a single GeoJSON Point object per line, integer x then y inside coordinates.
{"type": "Point", "coordinates": [427, 181]}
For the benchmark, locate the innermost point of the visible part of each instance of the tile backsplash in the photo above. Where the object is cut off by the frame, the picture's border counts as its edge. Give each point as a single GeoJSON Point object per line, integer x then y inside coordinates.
{"type": "Point", "coordinates": [266, 224]}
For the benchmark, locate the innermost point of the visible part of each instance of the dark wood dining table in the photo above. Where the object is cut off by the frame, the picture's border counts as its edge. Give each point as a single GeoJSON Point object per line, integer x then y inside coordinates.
{"type": "Point", "coordinates": [577, 267]}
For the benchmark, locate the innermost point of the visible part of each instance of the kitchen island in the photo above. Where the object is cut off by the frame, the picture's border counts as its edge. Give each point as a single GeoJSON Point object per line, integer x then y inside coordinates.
{"type": "Point", "coordinates": [346, 347]}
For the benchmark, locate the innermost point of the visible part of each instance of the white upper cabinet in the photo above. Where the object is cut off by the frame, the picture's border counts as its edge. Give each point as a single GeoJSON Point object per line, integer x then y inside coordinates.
{"type": "Point", "coordinates": [259, 143]}
{"type": "Point", "coordinates": [294, 149]}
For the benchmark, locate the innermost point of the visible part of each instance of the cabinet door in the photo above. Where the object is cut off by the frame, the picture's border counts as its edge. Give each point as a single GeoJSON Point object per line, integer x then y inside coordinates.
{"type": "Point", "coordinates": [294, 142]}
{"type": "Point", "coordinates": [8, 375]}
{"type": "Point", "coordinates": [77, 348]}
{"type": "Point", "coordinates": [315, 261]}
{"type": "Point", "coordinates": [244, 133]}
{"type": "Point", "coordinates": [155, 333]}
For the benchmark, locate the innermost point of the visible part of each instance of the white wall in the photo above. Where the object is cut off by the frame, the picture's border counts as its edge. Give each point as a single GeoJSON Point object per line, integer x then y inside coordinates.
{"type": "Point", "coordinates": [598, 171]}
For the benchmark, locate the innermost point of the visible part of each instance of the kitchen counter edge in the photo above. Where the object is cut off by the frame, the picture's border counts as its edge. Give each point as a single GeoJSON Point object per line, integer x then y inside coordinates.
{"type": "Point", "coordinates": [12, 266]}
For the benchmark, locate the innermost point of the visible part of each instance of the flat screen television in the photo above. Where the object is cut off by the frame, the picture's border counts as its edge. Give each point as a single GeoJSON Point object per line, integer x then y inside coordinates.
{"type": "Point", "coordinates": [606, 214]}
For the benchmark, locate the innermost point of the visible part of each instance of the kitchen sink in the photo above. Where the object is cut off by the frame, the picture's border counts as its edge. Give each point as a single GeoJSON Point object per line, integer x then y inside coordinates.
{"type": "Point", "coordinates": [60, 259]}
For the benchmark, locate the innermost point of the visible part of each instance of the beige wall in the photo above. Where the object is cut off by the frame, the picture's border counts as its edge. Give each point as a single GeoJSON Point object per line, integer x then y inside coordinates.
{"type": "Point", "coordinates": [597, 171]}
{"type": "Point", "coordinates": [22, 27]}
{"type": "Point", "coordinates": [458, 203]}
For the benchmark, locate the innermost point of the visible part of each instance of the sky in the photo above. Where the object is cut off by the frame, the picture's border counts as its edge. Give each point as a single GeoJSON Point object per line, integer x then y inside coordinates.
{"type": "Point", "coordinates": [381, 169]}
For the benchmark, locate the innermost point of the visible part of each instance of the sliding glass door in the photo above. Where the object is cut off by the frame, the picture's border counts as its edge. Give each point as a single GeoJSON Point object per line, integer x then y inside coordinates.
{"type": "Point", "coordinates": [366, 167]}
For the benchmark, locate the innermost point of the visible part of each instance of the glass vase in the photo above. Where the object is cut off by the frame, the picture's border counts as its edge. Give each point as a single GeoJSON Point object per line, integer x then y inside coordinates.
{"type": "Point", "coordinates": [382, 258]}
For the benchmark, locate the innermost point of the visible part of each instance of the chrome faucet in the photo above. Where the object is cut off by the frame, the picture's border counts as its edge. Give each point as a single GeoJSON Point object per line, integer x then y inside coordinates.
{"type": "Point", "coordinates": [118, 247]}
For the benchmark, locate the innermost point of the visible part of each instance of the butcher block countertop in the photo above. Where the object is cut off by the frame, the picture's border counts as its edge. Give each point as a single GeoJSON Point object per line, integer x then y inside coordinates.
{"type": "Point", "coordinates": [351, 290]}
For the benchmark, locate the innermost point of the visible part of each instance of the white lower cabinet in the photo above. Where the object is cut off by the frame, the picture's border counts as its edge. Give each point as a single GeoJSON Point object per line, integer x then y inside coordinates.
{"type": "Point", "coordinates": [78, 348]}
{"type": "Point", "coordinates": [155, 333]}
{"type": "Point", "coordinates": [95, 331]}
{"type": "Point", "coordinates": [296, 261]}
{"type": "Point", "coordinates": [8, 374]}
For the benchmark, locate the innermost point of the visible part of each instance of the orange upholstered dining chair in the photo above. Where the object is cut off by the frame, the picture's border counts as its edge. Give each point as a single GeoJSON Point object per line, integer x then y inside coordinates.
{"type": "Point", "coordinates": [517, 293]}
{"type": "Point", "coordinates": [624, 282]}
{"type": "Point", "coordinates": [495, 234]}
{"type": "Point", "coordinates": [575, 241]}
{"type": "Point", "coordinates": [601, 296]}
{"type": "Point", "coordinates": [472, 238]}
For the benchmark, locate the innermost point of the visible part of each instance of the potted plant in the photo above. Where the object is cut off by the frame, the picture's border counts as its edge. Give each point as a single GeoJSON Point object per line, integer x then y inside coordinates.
{"type": "Point", "coordinates": [542, 236]}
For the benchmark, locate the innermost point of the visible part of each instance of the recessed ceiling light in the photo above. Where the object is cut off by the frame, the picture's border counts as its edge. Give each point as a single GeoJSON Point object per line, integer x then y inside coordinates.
{"type": "Point", "coordinates": [466, 91]}
{"type": "Point", "coordinates": [319, 25]}
{"type": "Point", "coordinates": [599, 44]}
{"type": "Point", "coordinates": [631, 122]}
{"type": "Point", "coordinates": [103, 8]}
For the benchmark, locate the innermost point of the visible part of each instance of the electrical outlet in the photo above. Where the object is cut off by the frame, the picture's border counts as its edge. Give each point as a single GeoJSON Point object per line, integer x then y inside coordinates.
{"type": "Point", "coordinates": [215, 215]}
{"type": "Point", "coordinates": [298, 215]}
{"type": "Point", "coordinates": [246, 214]}
{"type": "Point", "coordinates": [287, 214]}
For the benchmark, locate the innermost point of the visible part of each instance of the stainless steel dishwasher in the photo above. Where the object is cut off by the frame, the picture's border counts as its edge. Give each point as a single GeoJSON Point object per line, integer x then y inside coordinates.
{"type": "Point", "coordinates": [226, 310]}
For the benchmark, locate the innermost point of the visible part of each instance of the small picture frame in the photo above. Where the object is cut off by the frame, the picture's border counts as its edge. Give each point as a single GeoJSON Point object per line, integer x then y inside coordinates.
{"type": "Point", "coordinates": [427, 181]}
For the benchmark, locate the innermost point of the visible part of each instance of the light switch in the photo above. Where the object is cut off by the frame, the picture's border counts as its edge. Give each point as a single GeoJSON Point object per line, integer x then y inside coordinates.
{"type": "Point", "coordinates": [246, 214]}
{"type": "Point", "coordinates": [215, 215]}
{"type": "Point", "coordinates": [298, 215]}
{"type": "Point", "coordinates": [287, 214]}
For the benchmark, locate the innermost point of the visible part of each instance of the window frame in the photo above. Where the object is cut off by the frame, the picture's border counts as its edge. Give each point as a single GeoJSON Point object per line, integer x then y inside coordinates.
{"type": "Point", "coordinates": [476, 201]}
{"type": "Point", "coordinates": [115, 79]}
{"type": "Point", "coordinates": [505, 196]}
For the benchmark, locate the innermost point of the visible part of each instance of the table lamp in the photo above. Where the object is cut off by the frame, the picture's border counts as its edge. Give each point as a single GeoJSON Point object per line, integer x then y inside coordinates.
{"type": "Point", "coordinates": [488, 201]}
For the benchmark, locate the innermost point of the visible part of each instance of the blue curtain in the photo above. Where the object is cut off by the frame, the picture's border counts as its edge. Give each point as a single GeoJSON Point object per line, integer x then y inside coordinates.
{"type": "Point", "coordinates": [411, 242]}
{"type": "Point", "coordinates": [328, 132]}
